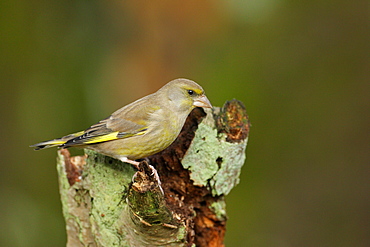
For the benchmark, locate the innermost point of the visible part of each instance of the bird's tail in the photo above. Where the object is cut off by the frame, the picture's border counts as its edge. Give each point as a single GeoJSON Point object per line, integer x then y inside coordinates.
{"type": "Point", "coordinates": [56, 142]}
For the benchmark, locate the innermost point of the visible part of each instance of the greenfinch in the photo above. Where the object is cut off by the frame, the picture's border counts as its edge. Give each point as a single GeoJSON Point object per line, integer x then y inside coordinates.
{"type": "Point", "coordinates": [142, 128]}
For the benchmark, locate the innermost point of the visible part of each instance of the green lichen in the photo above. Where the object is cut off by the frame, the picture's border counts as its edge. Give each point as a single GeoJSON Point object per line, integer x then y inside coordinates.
{"type": "Point", "coordinates": [219, 208]}
{"type": "Point", "coordinates": [212, 160]}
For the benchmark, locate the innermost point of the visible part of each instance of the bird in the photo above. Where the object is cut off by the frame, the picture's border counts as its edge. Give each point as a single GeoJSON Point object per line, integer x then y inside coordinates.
{"type": "Point", "coordinates": [141, 128]}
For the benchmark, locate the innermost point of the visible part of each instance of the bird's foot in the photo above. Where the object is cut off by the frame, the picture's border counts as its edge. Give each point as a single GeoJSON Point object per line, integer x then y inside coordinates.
{"type": "Point", "coordinates": [144, 170]}
{"type": "Point", "coordinates": [132, 162]}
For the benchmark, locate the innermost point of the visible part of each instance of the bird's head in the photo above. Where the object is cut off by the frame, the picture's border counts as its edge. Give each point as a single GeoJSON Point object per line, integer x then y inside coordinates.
{"type": "Point", "coordinates": [186, 95]}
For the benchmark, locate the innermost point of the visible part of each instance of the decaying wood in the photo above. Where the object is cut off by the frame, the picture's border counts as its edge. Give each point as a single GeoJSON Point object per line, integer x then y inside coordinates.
{"type": "Point", "coordinates": [109, 203]}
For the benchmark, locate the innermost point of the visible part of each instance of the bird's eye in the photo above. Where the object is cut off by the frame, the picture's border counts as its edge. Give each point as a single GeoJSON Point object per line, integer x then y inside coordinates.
{"type": "Point", "coordinates": [190, 92]}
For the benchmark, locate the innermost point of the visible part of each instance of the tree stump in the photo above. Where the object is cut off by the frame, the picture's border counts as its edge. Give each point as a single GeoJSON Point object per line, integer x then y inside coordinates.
{"type": "Point", "coordinates": [109, 203]}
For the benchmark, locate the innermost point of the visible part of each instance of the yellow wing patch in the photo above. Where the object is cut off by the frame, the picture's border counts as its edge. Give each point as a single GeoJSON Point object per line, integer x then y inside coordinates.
{"type": "Point", "coordinates": [103, 138]}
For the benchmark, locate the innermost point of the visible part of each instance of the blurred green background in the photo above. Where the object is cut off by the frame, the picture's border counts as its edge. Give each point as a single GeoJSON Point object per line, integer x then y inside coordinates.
{"type": "Point", "coordinates": [300, 67]}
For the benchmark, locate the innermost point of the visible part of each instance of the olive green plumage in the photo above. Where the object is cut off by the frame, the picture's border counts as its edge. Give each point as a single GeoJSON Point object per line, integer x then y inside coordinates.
{"type": "Point", "coordinates": [142, 128]}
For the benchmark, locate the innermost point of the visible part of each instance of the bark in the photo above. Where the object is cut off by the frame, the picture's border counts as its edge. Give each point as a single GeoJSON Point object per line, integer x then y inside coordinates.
{"type": "Point", "coordinates": [109, 203]}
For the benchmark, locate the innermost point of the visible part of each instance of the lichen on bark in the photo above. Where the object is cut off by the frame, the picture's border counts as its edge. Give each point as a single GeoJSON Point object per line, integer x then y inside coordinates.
{"type": "Point", "coordinates": [109, 203]}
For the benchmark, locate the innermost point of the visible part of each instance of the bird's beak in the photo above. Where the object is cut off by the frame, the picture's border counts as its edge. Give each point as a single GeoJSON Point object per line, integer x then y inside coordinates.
{"type": "Point", "coordinates": [202, 101]}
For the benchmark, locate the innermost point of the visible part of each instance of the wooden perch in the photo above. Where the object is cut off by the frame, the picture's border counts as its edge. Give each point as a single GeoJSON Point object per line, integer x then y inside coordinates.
{"type": "Point", "coordinates": [108, 203]}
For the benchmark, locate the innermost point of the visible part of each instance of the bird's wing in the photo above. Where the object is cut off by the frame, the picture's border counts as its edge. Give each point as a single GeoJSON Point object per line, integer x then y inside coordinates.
{"type": "Point", "coordinates": [131, 120]}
